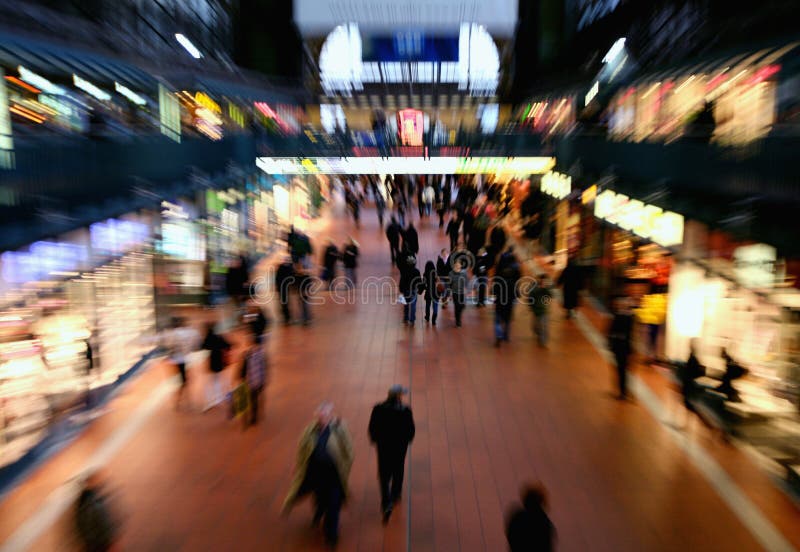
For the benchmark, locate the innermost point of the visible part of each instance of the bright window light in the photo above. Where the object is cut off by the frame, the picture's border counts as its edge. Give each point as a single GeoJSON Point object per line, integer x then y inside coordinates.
{"type": "Point", "coordinates": [186, 43]}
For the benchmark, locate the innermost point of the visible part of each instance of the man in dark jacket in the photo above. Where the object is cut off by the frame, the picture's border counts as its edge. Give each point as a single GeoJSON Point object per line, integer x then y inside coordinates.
{"type": "Point", "coordinates": [619, 341]}
{"type": "Point", "coordinates": [572, 280]}
{"type": "Point", "coordinates": [350, 261]}
{"type": "Point", "coordinates": [529, 528]}
{"type": "Point", "coordinates": [284, 281]}
{"type": "Point", "coordinates": [329, 263]}
{"type": "Point", "coordinates": [452, 231]}
{"type": "Point", "coordinates": [411, 239]}
{"type": "Point", "coordinates": [391, 429]}
{"type": "Point", "coordinates": [505, 287]}
{"type": "Point", "coordinates": [393, 232]}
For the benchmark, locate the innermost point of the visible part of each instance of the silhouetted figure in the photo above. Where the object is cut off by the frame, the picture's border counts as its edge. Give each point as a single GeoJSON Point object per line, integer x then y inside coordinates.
{"type": "Point", "coordinates": [458, 289]}
{"type": "Point", "coordinates": [571, 279]}
{"type": "Point", "coordinates": [329, 263]}
{"type": "Point", "coordinates": [393, 233]}
{"type": "Point", "coordinates": [391, 429]}
{"type": "Point", "coordinates": [619, 341]}
{"type": "Point", "coordinates": [688, 374]}
{"type": "Point", "coordinates": [96, 526]}
{"type": "Point", "coordinates": [733, 371]}
{"type": "Point", "coordinates": [411, 239]}
{"type": "Point", "coordinates": [528, 527]}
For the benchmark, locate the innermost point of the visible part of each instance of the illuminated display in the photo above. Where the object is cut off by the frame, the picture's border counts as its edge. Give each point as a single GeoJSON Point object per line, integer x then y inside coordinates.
{"type": "Point", "coordinates": [182, 240]}
{"type": "Point", "coordinates": [117, 236]}
{"type": "Point", "coordinates": [130, 94]}
{"type": "Point", "coordinates": [39, 81]}
{"type": "Point", "coordinates": [169, 110]}
{"type": "Point", "coordinates": [6, 142]}
{"type": "Point", "coordinates": [557, 185]}
{"type": "Point", "coordinates": [410, 126]}
{"type": "Point", "coordinates": [405, 165]}
{"type": "Point", "coordinates": [205, 100]}
{"type": "Point", "coordinates": [647, 221]}
{"type": "Point", "coordinates": [42, 260]}
{"type": "Point", "coordinates": [90, 88]}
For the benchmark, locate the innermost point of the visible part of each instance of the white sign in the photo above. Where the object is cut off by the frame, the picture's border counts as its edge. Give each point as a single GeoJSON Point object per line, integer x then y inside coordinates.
{"type": "Point", "coordinates": [91, 89]}
{"type": "Point", "coordinates": [39, 81]}
{"type": "Point", "coordinates": [130, 94]}
{"type": "Point", "coordinates": [557, 184]}
{"type": "Point", "coordinates": [647, 221]}
{"type": "Point", "coordinates": [592, 93]}
{"type": "Point", "coordinates": [755, 265]}
{"type": "Point", "coordinates": [405, 165]}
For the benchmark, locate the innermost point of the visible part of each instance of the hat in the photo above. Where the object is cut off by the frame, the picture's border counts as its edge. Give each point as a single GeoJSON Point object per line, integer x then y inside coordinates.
{"type": "Point", "coordinates": [397, 389]}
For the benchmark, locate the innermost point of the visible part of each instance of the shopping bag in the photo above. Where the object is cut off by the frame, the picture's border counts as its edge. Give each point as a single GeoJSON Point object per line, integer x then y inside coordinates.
{"type": "Point", "coordinates": [241, 399]}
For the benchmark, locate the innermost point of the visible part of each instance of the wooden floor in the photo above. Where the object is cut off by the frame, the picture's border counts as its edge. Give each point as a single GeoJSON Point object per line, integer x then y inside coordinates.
{"type": "Point", "coordinates": [487, 420]}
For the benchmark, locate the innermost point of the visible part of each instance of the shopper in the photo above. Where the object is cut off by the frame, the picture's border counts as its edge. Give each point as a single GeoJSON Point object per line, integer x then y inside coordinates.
{"type": "Point", "coordinates": [528, 527]}
{"type": "Point", "coordinates": [453, 230]}
{"type": "Point", "coordinates": [619, 341]}
{"type": "Point", "coordinates": [96, 525]}
{"type": "Point", "coordinates": [410, 286]}
{"type": "Point", "coordinates": [393, 233]}
{"type": "Point", "coordinates": [329, 263]}
{"type": "Point", "coordinates": [411, 239]}
{"type": "Point", "coordinates": [284, 282]}
{"type": "Point", "coordinates": [428, 197]}
{"type": "Point", "coordinates": [350, 261]}
{"type": "Point", "coordinates": [571, 279]}
{"type": "Point", "coordinates": [481, 271]}
{"type": "Point", "coordinates": [443, 273]}
{"type": "Point", "coordinates": [257, 321]}
{"type": "Point", "coordinates": [324, 459]}
{"type": "Point", "coordinates": [254, 374]}
{"type": "Point", "coordinates": [458, 289]}
{"type": "Point", "coordinates": [217, 347]}
{"type": "Point", "coordinates": [505, 287]}
{"type": "Point", "coordinates": [391, 429]}
{"type": "Point", "coordinates": [180, 341]}
{"type": "Point", "coordinates": [688, 373]}
{"type": "Point", "coordinates": [540, 298]}
{"type": "Point", "coordinates": [432, 294]}
{"type": "Point", "coordinates": [304, 284]}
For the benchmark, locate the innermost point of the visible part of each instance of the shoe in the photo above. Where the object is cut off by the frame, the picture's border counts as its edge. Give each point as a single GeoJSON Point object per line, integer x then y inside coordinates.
{"type": "Point", "coordinates": [387, 513]}
{"type": "Point", "coordinates": [427, 319]}
{"type": "Point", "coordinates": [434, 322]}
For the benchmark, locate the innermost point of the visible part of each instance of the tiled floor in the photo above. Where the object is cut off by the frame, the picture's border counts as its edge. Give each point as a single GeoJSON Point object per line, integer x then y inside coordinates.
{"type": "Point", "coordinates": [487, 420]}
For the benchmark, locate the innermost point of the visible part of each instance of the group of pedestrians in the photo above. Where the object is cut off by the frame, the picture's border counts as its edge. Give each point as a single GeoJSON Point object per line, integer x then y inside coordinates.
{"type": "Point", "coordinates": [325, 458]}
{"type": "Point", "coordinates": [348, 255]}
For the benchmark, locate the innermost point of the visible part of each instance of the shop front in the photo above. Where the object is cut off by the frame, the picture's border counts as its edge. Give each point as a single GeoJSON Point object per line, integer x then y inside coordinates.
{"type": "Point", "coordinates": [69, 331]}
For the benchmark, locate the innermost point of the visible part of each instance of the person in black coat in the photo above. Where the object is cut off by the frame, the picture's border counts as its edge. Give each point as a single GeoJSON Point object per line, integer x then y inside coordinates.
{"type": "Point", "coordinates": [410, 286]}
{"type": "Point", "coordinates": [687, 374]}
{"type": "Point", "coordinates": [284, 282]}
{"type": "Point", "coordinates": [391, 429]}
{"type": "Point", "coordinates": [505, 287]}
{"type": "Point", "coordinates": [329, 263]}
{"type": "Point", "coordinates": [432, 294]}
{"type": "Point", "coordinates": [528, 527]}
{"type": "Point", "coordinates": [619, 341]}
{"type": "Point", "coordinates": [411, 239]}
{"type": "Point", "coordinates": [350, 262]}
{"type": "Point", "coordinates": [393, 234]}
{"type": "Point", "coordinates": [453, 232]}
{"type": "Point", "coordinates": [571, 279]}
{"type": "Point", "coordinates": [482, 265]}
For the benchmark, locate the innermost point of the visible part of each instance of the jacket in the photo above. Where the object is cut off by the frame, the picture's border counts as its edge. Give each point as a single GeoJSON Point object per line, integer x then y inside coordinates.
{"type": "Point", "coordinates": [458, 282]}
{"type": "Point", "coordinates": [411, 240]}
{"type": "Point", "coordinates": [391, 426]}
{"type": "Point", "coordinates": [410, 282]}
{"type": "Point", "coordinates": [393, 232]}
{"type": "Point", "coordinates": [340, 447]}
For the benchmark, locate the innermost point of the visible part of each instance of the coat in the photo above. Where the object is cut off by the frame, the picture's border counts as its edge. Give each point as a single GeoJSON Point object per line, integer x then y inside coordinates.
{"type": "Point", "coordinates": [572, 280]}
{"type": "Point", "coordinates": [340, 447]}
{"type": "Point", "coordinates": [391, 427]}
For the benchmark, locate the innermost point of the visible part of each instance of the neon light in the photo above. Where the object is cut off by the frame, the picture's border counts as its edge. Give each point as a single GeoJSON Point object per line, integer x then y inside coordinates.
{"type": "Point", "coordinates": [23, 84]}
{"type": "Point", "coordinates": [615, 51]}
{"type": "Point", "coordinates": [30, 115]}
{"type": "Point", "coordinates": [130, 94]}
{"type": "Point", "coordinates": [763, 74]}
{"type": "Point", "coordinates": [39, 81]}
{"type": "Point", "coordinates": [186, 43]}
{"type": "Point", "coordinates": [205, 100]}
{"type": "Point", "coordinates": [90, 88]}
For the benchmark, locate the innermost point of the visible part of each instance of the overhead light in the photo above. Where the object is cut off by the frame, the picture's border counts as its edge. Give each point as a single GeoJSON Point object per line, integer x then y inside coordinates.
{"type": "Point", "coordinates": [130, 94]}
{"type": "Point", "coordinates": [615, 50]}
{"type": "Point", "coordinates": [39, 81]}
{"type": "Point", "coordinates": [90, 88]}
{"type": "Point", "coordinates": [186, 43]}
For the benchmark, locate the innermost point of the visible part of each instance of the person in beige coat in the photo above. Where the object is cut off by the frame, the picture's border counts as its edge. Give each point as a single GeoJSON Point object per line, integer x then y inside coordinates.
{"type": "Point", "coordinates": [324, 459]}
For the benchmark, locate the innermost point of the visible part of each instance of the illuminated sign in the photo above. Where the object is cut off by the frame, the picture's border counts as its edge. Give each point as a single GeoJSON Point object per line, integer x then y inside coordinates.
{"type": "Point", "coordinates": [405, 165]}
{"type": "Point", "coordinates": [181, 240]}
{"type": "Point", "coordinates": [43, 259]}
{"type": "Point", "coordinates": [6, 142]}
{"type": "Point", "coordinates": [557, 185]}
{"type": "Point", "coordinates": [117, 236]}
{"type": "Point", "coordinates": [205, 100]}
{"type": "Point", "coordinates": [39, 81]}
{"type": "Point", "coordinates": [592, 93]}
{"type": "Point", "coordinates": [410, 126]}
{"type": "Point", "coordinates": [589, 194]}
{"type": "Point", "coordinates": [614, 51]}
{"type": "Point", "coordinates": [647, 221]}
{"type": "Point", "coordinates": [90, 88]}
{"type": "Point", "coordinates": [169, 111]}
{"type": "Point", "coordinates": [130, 94]}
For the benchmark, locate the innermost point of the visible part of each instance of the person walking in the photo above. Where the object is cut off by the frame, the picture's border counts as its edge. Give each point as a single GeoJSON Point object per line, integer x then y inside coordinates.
{"type": "Point", "coordinates": [324, 459]}
{"type": "Point", "coordinates": [458, 289]}
{"type": "Point", "coordinates": [380, 204]}
{"type": "Point", "coordinates": [350, 261]}
{"type": "Point", "coordinates": [97, 527]}
{"type": "Point", "coordinates": [540, 297]}
{"type": "Point", "coordinates": [329, 263]}
{"type": "Point", "coordinates": [257, 321]}
{"type": "Point", "coordinates": [254, 374]}
{"type": "Point", "coordinates": [481, 271]}
{"type": "Point", "coordinates": [571, 279]}
{"type": "Point", "coordinates": [217, 347]}
{"type": "Point", "coordinates": [393, 233]}
{"type": "Point", "coordinates": [411, 239]}
{"type": "Point", "coordinates": [432, 294]}
{"type": "Point", "coordinates": [410, 286]}
{"type": "Point", "coordinates": [443, 273]}
{"type": "Point", "coordinates": [528, 527]}
{"type": "Point", "coordinates": [304, 284]}
{"type": "Point", "coordinates": [453, 231]}
{"type": "Point", "coordinates": [505, 287]}
{"type": "Point", "coordinates": [391, 430]}
{"type": "Point", "coordinates": [428, 197]}
{"type": "Point", "coordinates": [180, 341]}
{"type": "Point", "coordinates": [284, 282]}
{"type": "Point", "coordinates": [619, 341]}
